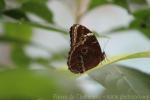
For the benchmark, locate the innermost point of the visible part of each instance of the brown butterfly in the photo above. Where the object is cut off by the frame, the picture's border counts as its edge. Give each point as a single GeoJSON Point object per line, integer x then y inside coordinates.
{"type": "Point", "coordinates": [85, 52]}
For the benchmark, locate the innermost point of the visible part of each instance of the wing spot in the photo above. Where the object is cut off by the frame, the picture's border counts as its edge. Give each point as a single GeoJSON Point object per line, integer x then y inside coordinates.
{"type": "Point", "coordinates": [84, 51]}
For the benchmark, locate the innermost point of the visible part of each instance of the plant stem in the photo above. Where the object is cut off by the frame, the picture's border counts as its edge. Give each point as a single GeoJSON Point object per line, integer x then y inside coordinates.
{"type": "Point", "coordinates": [78, 13]}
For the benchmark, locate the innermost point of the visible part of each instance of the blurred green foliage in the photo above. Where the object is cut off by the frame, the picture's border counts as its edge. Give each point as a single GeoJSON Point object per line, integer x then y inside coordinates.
{"type": "Point", "coordinates": [18, 31]}
{"type": "Point", "coordinates": [142, 21]}
{"type": "Point", "coordinates": [17, 14]}
{"type": "Point", "coordinates": [40, 9]}
{"type": "Point", "coordinates": [19, 57]}
{"type": "Point", "coordinates": [2, 5]}
{"type": "Point", "coordinates": [24, 83]}
{"type": "Point", "coordinates": [96, 3]}
{"type": "Point", "coordinates": [122, 3]}
{"type": "Point", "coordinates": [139, 1]}
{"type": "Point", "coordinates": [36, 1]}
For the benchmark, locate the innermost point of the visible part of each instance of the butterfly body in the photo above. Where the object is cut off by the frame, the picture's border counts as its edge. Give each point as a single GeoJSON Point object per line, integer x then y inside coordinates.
{"type": "Point", "coordinates": [85, 52]}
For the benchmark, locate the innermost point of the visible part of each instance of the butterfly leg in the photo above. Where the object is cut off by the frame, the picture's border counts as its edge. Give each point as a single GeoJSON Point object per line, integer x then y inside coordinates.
{"type": "Point", "coordinates": [105, 57]}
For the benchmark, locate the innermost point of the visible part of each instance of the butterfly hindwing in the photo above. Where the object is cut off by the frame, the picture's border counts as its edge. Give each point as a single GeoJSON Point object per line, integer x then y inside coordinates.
{"type": "Point", "coordinates": [85, 50]}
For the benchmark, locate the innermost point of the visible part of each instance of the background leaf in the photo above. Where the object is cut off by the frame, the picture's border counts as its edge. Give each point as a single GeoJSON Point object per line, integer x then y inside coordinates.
{"type": "Point", "coordinates": [121, 81]}
{"type": "Point", "coordinates": [21, 32]}
{"type": "Point", "coordinates": [96, 3]}
{"type": "Point", "coordinates": [31, 85]}
{"type": "Point", "coordinates": [47, 27]}
{"type": "Point", "coordinates": [139, 1]}
{"type": "Point", "coordinates": [16, 14]}
{"type": "Point", "coordinates": [40, 9]}
{"type": "Point", "coordinates": [2, 5]}
{"type": "Point", "coordinates": [38, 1]}
{"type": "Point", "coordinates": [19, 57]}
{"type": "Point", "coordinates": [18, 30]}
{"type": "Point", "coordinates": [142, 21]}
{"type": "Point", "coordinates": [122, 3]}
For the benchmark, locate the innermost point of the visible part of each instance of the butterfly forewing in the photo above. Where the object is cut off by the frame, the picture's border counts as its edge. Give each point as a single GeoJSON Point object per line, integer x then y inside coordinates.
{"type": "Point", "coordinates": [77, 33]}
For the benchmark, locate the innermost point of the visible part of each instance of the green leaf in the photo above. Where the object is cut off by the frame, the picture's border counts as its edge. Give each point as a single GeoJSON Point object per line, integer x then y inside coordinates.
{"type": "Point", "coordinates": [40, 9]}
{"type": "Point", "coordinates": [23, 19]}
{"type": "Point", "coordinates": [18, 31]}
{"type": "Point", "coordinates": [96, 3]}
{"type": "Point", "coordinates": [122, 81]}
{"type": "Point", "coordinates": [21, 32]}
{"type": "Point", "coordinates": [38, 1]}
{"type": "Point", "coordinates": [51, 28]}
{"type": "Point", "coordinates": [142, 21]}
{"type": "Point", "coordinates": [16, 14]}
{"type": "Point", "coordinates": [139, 1]}
{"type": "Point", "coordinates": [17, 41]}
{"type": "Point", "coordinates": [19, 57]}
{"type": "Point", "coordinates": [122, 3]}
{"type": "Point", "coordinates": [142, 13]}
{"type": "Point", "coordinates": [21, 84]}
{"type": "Point", "coordinates": [13, 40]}
{"type": "Point", "coordinates": [118, 58]}
{"type": "Point", "coordinates": [2, 5]}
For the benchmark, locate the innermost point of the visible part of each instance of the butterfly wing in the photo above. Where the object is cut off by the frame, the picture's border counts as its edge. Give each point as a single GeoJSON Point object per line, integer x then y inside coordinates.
{"type": "Point", "coordinates": [85, 50]}
{"type": "Point", "coordinates": [77, 32]}
{"type": "Point", "coordinates": [86, 54]}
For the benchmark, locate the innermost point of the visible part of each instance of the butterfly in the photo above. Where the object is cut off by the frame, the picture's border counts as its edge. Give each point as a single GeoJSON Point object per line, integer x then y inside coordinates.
{"type": "Point", "coordinates": [85, 52]}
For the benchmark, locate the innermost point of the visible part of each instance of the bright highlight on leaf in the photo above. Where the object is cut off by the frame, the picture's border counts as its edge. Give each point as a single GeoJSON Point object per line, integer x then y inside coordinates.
{"type": "Point", "coordinates": [114, 59]}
